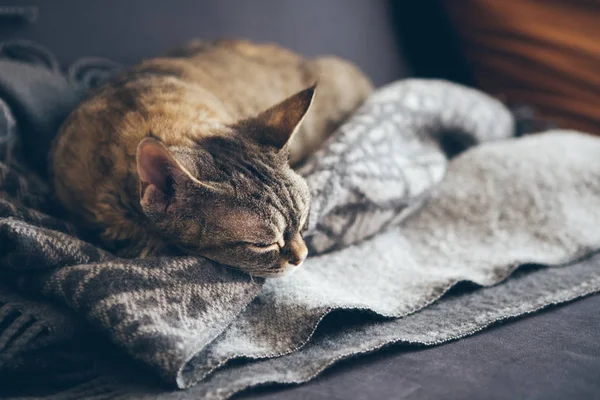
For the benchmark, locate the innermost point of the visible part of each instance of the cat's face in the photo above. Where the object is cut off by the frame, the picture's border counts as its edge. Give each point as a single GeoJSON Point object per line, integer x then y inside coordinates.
{"type": "Point", "coordinates": [232, 198]}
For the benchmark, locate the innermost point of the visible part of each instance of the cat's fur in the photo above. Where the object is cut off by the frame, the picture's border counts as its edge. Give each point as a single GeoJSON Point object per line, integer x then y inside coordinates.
{"type": "Point", "coordinates": [190, 152]}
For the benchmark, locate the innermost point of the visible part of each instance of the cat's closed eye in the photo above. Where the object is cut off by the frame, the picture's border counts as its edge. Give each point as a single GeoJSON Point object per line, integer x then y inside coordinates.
{"type": "Point", "coordinates": [264, 246]}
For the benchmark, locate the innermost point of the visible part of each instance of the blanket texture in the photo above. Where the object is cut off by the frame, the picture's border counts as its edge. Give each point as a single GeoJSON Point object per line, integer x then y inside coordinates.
{"type": "Point", "coordinates": [393, 226]}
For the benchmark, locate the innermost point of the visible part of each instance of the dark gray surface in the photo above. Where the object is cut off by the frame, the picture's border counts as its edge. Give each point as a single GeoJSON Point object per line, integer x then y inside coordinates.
{"type": "Point", "coordinates": [551, 355]}
{"type": "Point", "coordinates": [125, 31]}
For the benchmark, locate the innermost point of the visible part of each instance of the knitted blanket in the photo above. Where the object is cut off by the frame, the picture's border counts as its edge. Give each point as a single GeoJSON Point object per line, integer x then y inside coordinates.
{"type": "Point", "coordinates": [393, 226]}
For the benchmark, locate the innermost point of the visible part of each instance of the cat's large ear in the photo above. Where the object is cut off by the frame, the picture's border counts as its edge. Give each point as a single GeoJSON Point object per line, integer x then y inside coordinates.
{"type": "Point", "coordinates": [278, 123]}
{"type": "Point", "coordinates": [158, 171]}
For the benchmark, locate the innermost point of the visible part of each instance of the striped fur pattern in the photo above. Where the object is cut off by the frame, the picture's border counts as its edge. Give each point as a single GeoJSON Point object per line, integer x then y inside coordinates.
{"type": "Point", "coordinates": [219, 122]}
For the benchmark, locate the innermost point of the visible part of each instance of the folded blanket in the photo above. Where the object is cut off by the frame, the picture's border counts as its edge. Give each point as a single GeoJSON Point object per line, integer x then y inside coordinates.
{"type": "Point", "coordinates": [393, 226]}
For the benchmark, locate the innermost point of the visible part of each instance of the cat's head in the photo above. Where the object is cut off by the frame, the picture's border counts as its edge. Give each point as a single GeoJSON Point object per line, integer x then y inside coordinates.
{"type": "Point", "coordinates": [232, 198]}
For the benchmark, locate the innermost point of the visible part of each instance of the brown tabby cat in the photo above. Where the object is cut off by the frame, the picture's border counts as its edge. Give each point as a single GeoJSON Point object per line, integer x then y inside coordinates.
{"type": "Point", "coordinates": [189, 152]}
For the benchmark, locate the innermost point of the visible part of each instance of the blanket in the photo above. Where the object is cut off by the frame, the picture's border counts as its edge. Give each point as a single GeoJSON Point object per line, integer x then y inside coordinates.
{"type": "Point", "coordinates": [394, 225]}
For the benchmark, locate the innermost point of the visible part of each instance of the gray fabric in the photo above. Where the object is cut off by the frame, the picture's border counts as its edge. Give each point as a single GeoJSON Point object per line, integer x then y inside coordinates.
{"type": "Point", "coordinates": [33, 88]}
{"type": "Point", "coordinates": [501, 204]}
{"type": "Point", "coordinates": [443, 321]}
{"type": "Point", "coordinates": [521, 354]}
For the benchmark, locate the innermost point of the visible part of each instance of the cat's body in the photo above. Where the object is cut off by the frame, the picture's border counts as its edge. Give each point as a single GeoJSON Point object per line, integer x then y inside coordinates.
{"type": "Point", "coordinates": [195, 111]}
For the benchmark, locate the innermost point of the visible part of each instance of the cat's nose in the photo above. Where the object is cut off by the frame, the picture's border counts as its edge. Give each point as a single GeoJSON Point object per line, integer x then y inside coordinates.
{"type": "Point", "coordinates": [298, 260]}
{"type": "Point", "coordinates": [297, 250]}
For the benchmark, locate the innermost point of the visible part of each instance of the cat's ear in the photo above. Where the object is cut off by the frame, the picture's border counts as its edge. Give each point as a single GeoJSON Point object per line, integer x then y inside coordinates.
{"type": "Point", "coordinates": [279, 122]}
{"type": "Point", "coordinates": [158, 171]}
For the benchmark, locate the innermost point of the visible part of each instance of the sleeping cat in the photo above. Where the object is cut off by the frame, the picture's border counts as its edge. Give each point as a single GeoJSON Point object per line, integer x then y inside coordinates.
{"type": "Point", "coordinates": [190, 152]}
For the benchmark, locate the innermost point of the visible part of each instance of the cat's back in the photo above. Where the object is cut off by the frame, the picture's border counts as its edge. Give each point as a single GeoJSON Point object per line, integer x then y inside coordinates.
{"type": "Point", "coordinates": [247, 77]}
{"type": "Point", "coordinates": [182, 94]}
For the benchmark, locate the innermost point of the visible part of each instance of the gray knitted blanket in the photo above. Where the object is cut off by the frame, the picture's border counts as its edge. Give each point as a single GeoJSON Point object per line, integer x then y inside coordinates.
{"type": "Point", "coordinates": [393, 226]}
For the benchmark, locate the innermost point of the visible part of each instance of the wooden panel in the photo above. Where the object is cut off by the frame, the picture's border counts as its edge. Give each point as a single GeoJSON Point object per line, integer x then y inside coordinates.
{"type": "Point", "coordinates": [545, 53]}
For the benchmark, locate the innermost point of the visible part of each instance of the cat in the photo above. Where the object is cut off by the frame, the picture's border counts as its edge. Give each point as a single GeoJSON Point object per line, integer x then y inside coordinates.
{"type": "Point", "coordinates": [192, 152]}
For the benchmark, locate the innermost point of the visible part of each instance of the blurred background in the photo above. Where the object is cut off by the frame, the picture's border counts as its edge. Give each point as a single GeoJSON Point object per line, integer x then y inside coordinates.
{"type": "Point", "coordinates": [544, 54]}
